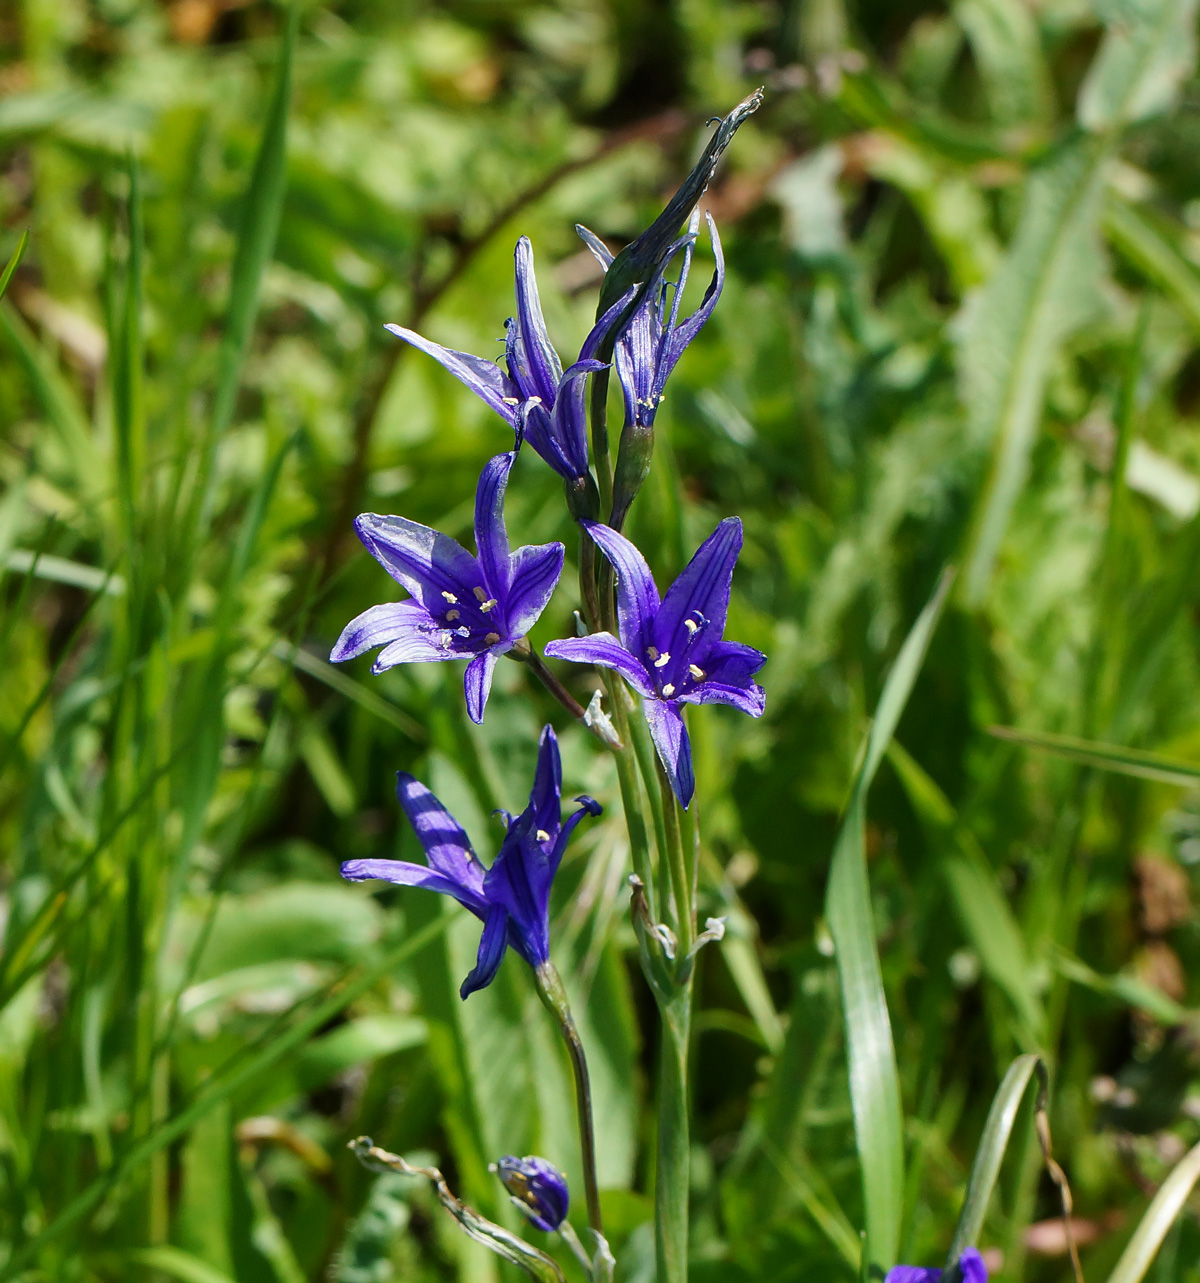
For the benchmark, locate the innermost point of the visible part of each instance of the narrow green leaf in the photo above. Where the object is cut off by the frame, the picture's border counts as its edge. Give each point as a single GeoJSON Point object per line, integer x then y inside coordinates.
{"type": "Point", "coordinates": [1144, 241]}
{"type": "Point", "coordinates": [1105, 757]}
{"type": "Point", "coordinates": [125, 365]}
{"type": "Point", "coordinates": [177, 1264]}
{"type": "Point", "coordinates": [1158, 1219]}
{"type": "Point", "coordinates": [1047, 285]}
{"type": "Point", "coordinates": [352, 690]}
{"type": "Point", "coordinates": [262, 207]}
{"type": "Point", "coordinates": [17, 255]}
{"type": "Point", "coordinates": [990, 1154]}
{"type": "Point", "coordinates": [874, 1078]}
{"type": "Point", "coordinates": [1005, 41]}
{"type": "Point", "coordinates": [1125, 988]}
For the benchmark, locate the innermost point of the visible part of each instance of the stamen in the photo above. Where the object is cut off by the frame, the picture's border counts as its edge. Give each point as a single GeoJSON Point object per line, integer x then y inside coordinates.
{"type": "Point", "coordinates": [652, 651]}
{"type": "Point", "coordinates": [696, 672]}
{"type": "Point", "coordinates": [668, 690]}
{"type": "Point", "coordinates": [485, 606]}
{"type": "Point", "coordinates": [663, 659]}
{"type": "Point", "coordinates": [692, 627]}
{"type": "Point", "coordinates": [449, 596]}
{"type": "Point", "coordinates": [543, 836]}
{"type": "Point", "coordinates": [511, 400]}
{"type": "Point", "coordinates": [451, 616]}
{"type": "Point", "coordinates": [480, 595]}
{"type": "Point", "coordinates": [492, 638]}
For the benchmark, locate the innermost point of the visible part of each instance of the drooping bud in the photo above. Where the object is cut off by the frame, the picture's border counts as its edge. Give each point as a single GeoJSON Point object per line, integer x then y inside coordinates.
{"type": "Point", "coordinates": [538, 1188]}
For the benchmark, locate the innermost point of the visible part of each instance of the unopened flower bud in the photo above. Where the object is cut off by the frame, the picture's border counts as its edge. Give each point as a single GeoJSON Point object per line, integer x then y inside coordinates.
{"type": "Point", "coordinates": [538, 1188]}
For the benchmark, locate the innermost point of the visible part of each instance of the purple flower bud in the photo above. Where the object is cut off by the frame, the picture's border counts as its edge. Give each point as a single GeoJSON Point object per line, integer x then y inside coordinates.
{"type": "Point", "coordinates": [538, 1189]}
{"type": "Point", "coordinates": [971, 1269]}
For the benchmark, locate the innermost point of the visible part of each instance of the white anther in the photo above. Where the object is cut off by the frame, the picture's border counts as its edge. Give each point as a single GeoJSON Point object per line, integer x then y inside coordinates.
{"type": "Point", "coordinates": [451, 616]}
{"type": "Point", "coordinates": [534, 400]}
{"type": "Point", "coordinates": [449, 596]}
{"type": "Point", "coordinates": [696, 672]}
{"type": "Point", "coordinates": [543, 836]}
{"type": "Point", "coordinates": [511, 400]}
{"type": "Point", "coordinates": [492, 638]}
{"type": "Point", "coordinates": [669, 690]}
{"type": "Point", "coordinates": [652, 651]}
{"type": "Point", "coordinates": [663, 659]}
{"type": "Point", "coordinates": [480, 595]}
{"type": "Point", "coordinates": [692, 627]}
{"type": "Point", "coordinates": [485, 606]}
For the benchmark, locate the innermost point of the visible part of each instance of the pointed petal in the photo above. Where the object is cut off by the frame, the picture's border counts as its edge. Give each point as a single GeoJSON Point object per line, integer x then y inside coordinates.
{"type": "Point", "coordinates": [674, 748]}
{"type": "Point", "coordinates": [702, 588]}
{"type": "Point", "coordinates": [520, 879]}
{"type": "Point", "coordinates": [404, 874]}
{"type": "Point", "coordinates": [446, 846]}
{"type": "Point", "coordinates": [537, 427]}
{"type": "Point", "coordinates": [599, 332]}
{"type": "Point", "coordinates": [600, 252]}
{"type": "Point", "coordinates": [683, 334]}
{"type": "Point", "coordinates": [544, 798]}
{"type": "Point", "coordinates": [603, 650]}
{"type": "Point", "coordinates": [912, 1274]}
{"type": "Point", "coordinates": [570, 422]}
{"type": "Point", "coordinates": [729, 668]}
{"type": "Point", "coordinates": [425, 561]}
{"type": "Point", "coordinates": [637, 594]}
{"type": "Point", "coordinates": [491, 536]}
{"type": "Point", "coordinates": [484, 378]}
{"type": "Point", "coordinates": [545, 369]}
{"type": "Point", "coordinates": [478, 684]}
{"type": "Point", "coordinates": [419, 644]}
{"type": "Point", "coordinates": [536, 570]}
{"type": "Point", "coordinates": [587, 806]}
{"type": "Point", "coordinates": [377, 627]}
{"type": "Point", "coordinates": [492, 944]}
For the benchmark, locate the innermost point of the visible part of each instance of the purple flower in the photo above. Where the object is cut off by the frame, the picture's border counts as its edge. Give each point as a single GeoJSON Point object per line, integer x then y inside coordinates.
{"type": "Point", "coordinates": [653, 341]}
{"type": "Point", "coordinates": [538, 1188]}
{"type": "Point", "coordinates": [970, 1267]}
{"type": "Point", "coordinates": [672, 652]}
{"type": "Point", "coordinates": [512, 898]}
{"type": "Point", "coordinates": [461, 606]}
{"type": "Point", "coordinates": [536, 396]}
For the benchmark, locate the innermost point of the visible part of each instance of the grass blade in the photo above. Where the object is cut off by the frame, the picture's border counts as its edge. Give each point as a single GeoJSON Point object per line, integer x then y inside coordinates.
{"type": "Point", "coordinates": [17, 255]}
{"type": "Point", "coordinates": [874, 1077]}
{"type": "Point", "coordinates": [1158, 1219]}
{"type": "Point", "coordinates": [1105, 757]}
{"type": "Point", "coordinates": [992, 1145]}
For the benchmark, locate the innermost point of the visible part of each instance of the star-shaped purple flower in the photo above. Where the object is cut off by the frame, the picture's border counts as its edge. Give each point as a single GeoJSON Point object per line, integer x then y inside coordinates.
{"type": "Point", "coordinates": [970, 1267]}
{"type": "Point", "coordinates": [512, 898]}
{"type": "Point", "coordinates": [672, 652]}
{"type": "Point", "coordinates": [536, 396]}
{"type": "Point", "coordinates": [462, 607]}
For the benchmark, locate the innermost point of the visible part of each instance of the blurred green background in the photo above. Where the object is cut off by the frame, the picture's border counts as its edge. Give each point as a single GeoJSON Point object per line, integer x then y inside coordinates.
{"type": "Point", "coordinates": [960, 326]}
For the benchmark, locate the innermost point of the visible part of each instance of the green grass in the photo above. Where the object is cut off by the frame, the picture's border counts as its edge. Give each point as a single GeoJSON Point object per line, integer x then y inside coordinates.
{"type": "Point", "coordinates": [960, 328]}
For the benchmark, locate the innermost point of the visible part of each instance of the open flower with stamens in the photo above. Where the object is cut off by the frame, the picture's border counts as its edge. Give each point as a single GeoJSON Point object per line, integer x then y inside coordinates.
{"type": "Point", "coordinates": [672, 651]}
{"type": "Point", "coordinates": [512, 898]}
{"type": "Point", "coordinates": [462, 607]}
{"type": "Point", "coordinates": [536, 396]}
{"type": "Point", "coordinates": [971, 1269]}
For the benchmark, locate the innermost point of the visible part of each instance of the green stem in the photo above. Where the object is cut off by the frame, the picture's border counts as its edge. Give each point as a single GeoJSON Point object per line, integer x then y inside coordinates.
{"type": "Point", "coordinates": [554, 997]}
{"type": "Point", "coordinates": [672, 1177]}
{"type": "Point", "coordinates": [677, 864]}
{"type": "Point", "coordinates": [631, 802]}
{"type": "Point", "coordinates": [647, 757]}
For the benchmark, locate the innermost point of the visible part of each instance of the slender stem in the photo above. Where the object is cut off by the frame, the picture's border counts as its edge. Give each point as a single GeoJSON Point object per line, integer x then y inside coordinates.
{"type": "Point", "coordinates": [677, 863]}
{"type": "Point", "coordinates": [647, 756]}
{"type": "Point", "coordinates": [524, 653]}
{"type": "Point", "coordinates": [587, 579]}
{"type": "Point", "coordinates": [554, 996]}
{"type": "Point", "coordinates": [673, 1162]}
{"type": "Point", "coordinates": [631, 802]}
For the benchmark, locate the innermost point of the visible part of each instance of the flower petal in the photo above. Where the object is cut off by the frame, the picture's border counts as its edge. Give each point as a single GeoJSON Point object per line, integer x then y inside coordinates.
{"type": "Point", "coordinates": [483, 377]}
{"type": "Point", "coordinates": [446, 846]}
{"type": "Point", "coordinates": [536, 570]}
{"type": "Point", "coordinates": [545, 796]}
{"type": "Point", "coordinates": [569, 438]}
{"type": "Point", "coordinates": [701, 589]}
{"type": "Point", "coordinates": [401, 873]}
{"type": "Point", "coordinates": [971, 1267]}
{"type": "Point", "coordinates": [545, 369]}
{"type": "Point", "coordinates": [748, 699]}
{"type": "Point", "coordinates": [600, 252]}
{"type": "Point", "coordinates": [520, 879]}
{"type": "Point", "coordinates": [477, 683]}
{"type": "Point", "coordinates": [377, 627]}
{"type": "Point", "coordinates": [729, 669]}
{"type": "Point", "coordinates": [674, 748]}
{"type": "Point", "coordinates": [603, 650]}
{"type": "Point", "coordinates": [491, 535]}
{"type": "Point", "coordinates": [637, 594]}
{"type": "Point", "coordinates": [425, 561]}
{"type": "Point", "coordinates": [419, 644]}
{"type": "Point", "coordinates": [587, 806]}
{"type": "Point", "coordinates": [492, 944]}
{"type": "Point", "coordinates": [912, 1274]}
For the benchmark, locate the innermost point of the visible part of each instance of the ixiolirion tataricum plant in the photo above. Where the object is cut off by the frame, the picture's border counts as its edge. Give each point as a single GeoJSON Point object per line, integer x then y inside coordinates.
{"type": "Point", "coordinates": [655, 655]}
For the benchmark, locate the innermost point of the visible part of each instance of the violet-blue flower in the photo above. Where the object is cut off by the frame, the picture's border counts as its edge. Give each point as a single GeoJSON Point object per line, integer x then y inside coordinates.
{"type": "Point", "coordinates": [536, 397]}
{"type": "Point", "coordinates": [538, 1188]}
{"type": "Point", "coordinates": [462, 607]}
{"type": "Point", "coordinates": [651, 344]}
{"type": "Point", "coordinates": [672, 652]}
{"type": "Point", "coordinates": [970, 1267]}
{"type": "Point", "coordinates": [512, 898]}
